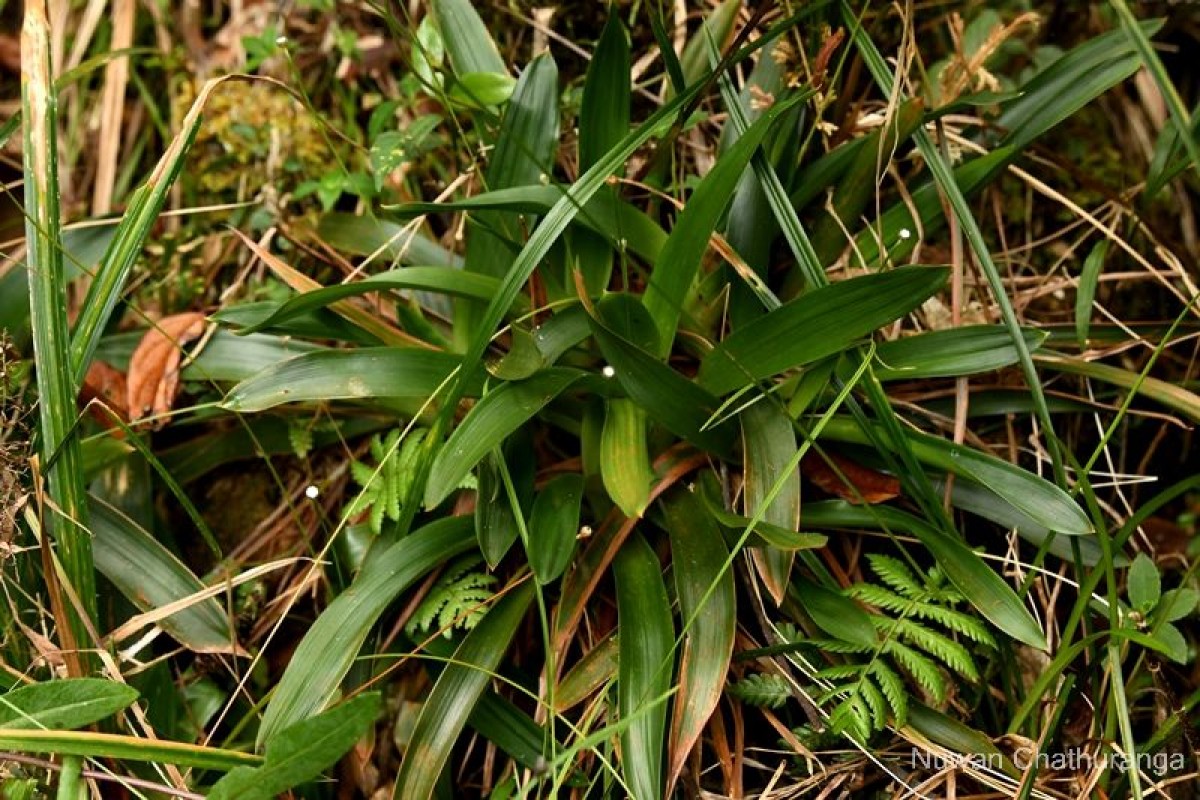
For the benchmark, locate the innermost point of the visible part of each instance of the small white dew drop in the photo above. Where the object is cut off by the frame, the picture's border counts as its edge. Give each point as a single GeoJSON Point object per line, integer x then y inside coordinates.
{"type": "Point", "coordinates": [311, 492]}
{"type": "Point", "coordinates": [281, 41]}
{"type": "Point", "coordinates": [608, 371]}
{"type": "Point", "coordinates": [905, 233]}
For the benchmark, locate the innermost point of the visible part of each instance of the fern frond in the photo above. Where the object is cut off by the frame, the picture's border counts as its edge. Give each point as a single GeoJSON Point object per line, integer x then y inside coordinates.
{"type": "Point", "coordinates": [892, 687]}
{"type": "Point", "coordinates": [873, 698]}
{"type": "Point", "coordinates": [762, 690]}
{"type": "Point", "coordinates": [946, 650]}
{"type": "Point", "coordinates": [880, 597]}
{"type": "Point", "coordinates": [895, 573]}
{"type": "Point", "coordinates": [956, 621]}
{"type": "Point", "coordinates": [457, 600]}
{"type": "Point", "coordinates": [839, 672]}
{"type": "Point", "coordinates": [922, 669]}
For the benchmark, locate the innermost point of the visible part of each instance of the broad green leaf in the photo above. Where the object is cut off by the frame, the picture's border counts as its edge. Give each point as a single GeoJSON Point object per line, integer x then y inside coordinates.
{"type": "Point", "coordinates": [707, 606]}
{"type": "Point", "coordinates": [362, 373]}
{"type": "Point", "coordinates": [836, 614]}
{"type": "Point", "coordinates": [769, 449]}
{"type": "Point", "coordinates": [644, 672]}
{"type": "Point", "coordinates": [523, 153]}
{"type": "Point", "coordinates": [329, 648]}
{"type": "Point", "coordinates": [716, 29]}
{"type": "Point", "coordinates": [822, 322]}
{"type": "Point", "coordinates": [1145, 586]}
{"type": "Point", "coordinates": [319, 324]}
{"type": "Point", "coordinates": [677, 264]}
{"type": "Point", "coordinates": [1172, 643]}
{"type": "Point", "coordinates": [482, 89]}
{"type": "Point", "coordinates": [151, 577]}
{"type": "Point", "coordinates": [497, 414]}
{"type": "Point", "coordinates": [229, 357]}
{"type": "Point", "coordinates": [553, 526]}
{"type": "Point", "coordinates": [301, 751]}
{"type": "Point", "coordinates": [63, 704]}
{"type": "Point", "coordinates": [1171, 395]}
{"type": "Point", "coordinates": [676, 403]}
{"type": "Point", "coordinates": [624, 457]}
{"type": "Point", "coordinates": [951, 353]}
{"type": "Point", "coordinates": [1176, 604]}
{"type": "Point", "coordinates": [467, 41]}
{"type": "Point", "coordinates": [456, 693]}
{"type": "Point", "coordinates": [603, 121]}
{"type": "Point", "coordinates": [1037, 498]}
{"type": "Point", "coordinates": [605, 214]}
{"type": "Point", "coordinates": [977, 499]}
{"type": "Point", "coordinates": [1085, 293]}
{"type": "Point", "coordinates": [495, 522]}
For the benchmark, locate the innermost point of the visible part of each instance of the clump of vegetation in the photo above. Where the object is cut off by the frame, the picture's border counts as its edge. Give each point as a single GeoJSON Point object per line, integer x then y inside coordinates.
{"type": "Point", "coordinates": [648, 400]}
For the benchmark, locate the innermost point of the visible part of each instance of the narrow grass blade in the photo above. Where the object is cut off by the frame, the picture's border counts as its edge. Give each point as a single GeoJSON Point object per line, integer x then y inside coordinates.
{"type": "Point", "coordinates": [708, 607]}
{"type": "Point", "coordinates": [523, 153]}
{"type": "Point", "coordinates": [329, 648]}
{"type": "Point", "coordinates": [499, 413]}
{"type": "Point", "coordinates": [57, 383]}
{"type": "Point", "coordinates": [368, 372]}
{"type": "Point", "coordinates": [553, 526]}
{"type": "Point", "coordinates": [444, 280]}
{"type": "Point", "coordinates": [1085, 292]}
{"type": "Point", "coordinates": [456, 693]}
{"type": "Point", "coordinates": [301, 752]}
{"type": "Point", "coordinates": [63, 704]}
{"type": "Point", "coordinates": [952, 352]}
{"type": "Point", "coordinates": [603, 122]}
{"type": "Point", "coordinates": [769, 450]}
{"type": "Point", "coordinates": [129, 748]}
{"type": "Point", "coordinates": [644, 665]}
{"type": "Point", "coordinates": [151, 577]}
{"type": "Point", "coordinates": [624, 458]}
{"type": "Point", "coordinates": [122, 253]}
{"type": "Point", "coordinates": [822, 322]}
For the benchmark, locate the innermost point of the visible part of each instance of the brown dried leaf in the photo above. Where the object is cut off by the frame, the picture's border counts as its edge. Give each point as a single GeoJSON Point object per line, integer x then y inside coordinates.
{"type": "Point", "coordinates": [105, 383]}
{"type": "Point", "coordinates": [865, 484]}
{"type": "Point", "coordinates": [153, 376]}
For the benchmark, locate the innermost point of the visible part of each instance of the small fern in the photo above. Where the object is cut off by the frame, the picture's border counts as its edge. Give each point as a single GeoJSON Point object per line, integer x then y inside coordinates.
{"type": "Point", "coordinates": [921, 636]}
{"type": "Point", "coordinates": [457, 600]}
{"type": "Point", "coordinates": [385, 484]}
{"type": "Point", "coordinates": [762, 690]}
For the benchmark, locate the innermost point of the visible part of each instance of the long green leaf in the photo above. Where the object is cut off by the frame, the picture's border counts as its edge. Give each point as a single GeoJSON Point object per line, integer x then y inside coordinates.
{"type": "Point", "coordinates": [1040, 500]}
{"type": "Point", "coordinates": [150, 576]}
{"type": "Point", "coordinates": [499, 413]}
{"type": "Point", "coordinates": [679, 260]}
{"type": "Point", "coordinates": [952, 352]}
{"type": "Point", "coordinates": [57, 384]}
{"type": "Point", "coordinates": [456, 693]}
{"type": "Point", "coordinates": [707, 605]}
{"type": "Point", "coordinates": [362, 373]}
{"type": "Point", "coordinates": [769, 449]}
{"type": "Point", "coordinates": [553, 526]}
{"type": "Point", "coordinates": [328, 649]}
{"type": "Point", "coordinates": [130, 748]}
{"type": "Point", "coordinates": [820, 323]}
{"type": "Point", "coordinates": [644, 671]}
{"type": "Point", "coordinates": [470, 46]}
{"type": "Point", "coordinates": [624, 457]}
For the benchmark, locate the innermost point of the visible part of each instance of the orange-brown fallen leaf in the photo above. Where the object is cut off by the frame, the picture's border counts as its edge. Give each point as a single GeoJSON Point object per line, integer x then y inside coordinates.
{"type": "Point", "coordinates": [153, 378]}
{"type": "Point", "coordinates": [865, 484]}
{"type": "Point", "coordinates": [105, 383]}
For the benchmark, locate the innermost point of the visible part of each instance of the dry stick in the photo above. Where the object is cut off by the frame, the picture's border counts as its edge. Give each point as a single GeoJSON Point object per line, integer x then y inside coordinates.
{"type": "Point", "coordinates": [112, 107]}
